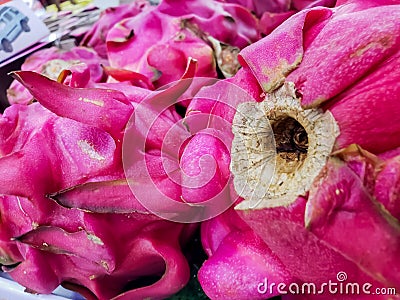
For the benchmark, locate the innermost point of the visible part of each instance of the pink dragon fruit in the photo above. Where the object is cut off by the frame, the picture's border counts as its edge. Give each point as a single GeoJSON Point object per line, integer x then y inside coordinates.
{"type": "Point", "coordinates": [158, 42]}
{"type": "Point", "coordinates": [89, 170]}
{"type": "Point", "coordinates": [271, 19]}
{"type": "Point", "coordinates": [156, 56]}
{"type": "Point", "coordinates": [319, 102]}
{"type": "Point", "coordinates": [259, 7]}
{"type": "Point", "coordinates": [64, 157]}
{"type": "Point", "coordinates": [295, 220]}
{"type": "Point", "coordinates": [228, 23]}
{"type": "Point", "coordinates": [50, 62]}
{"type": "Point", "coordinates": [273, 13]}
{"type": "Point", "coordinates": [96, 37]}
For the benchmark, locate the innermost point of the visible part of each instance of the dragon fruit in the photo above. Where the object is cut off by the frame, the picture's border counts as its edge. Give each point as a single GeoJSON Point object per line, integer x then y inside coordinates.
{"type": "Point", "coordinates": [91, 171]}
{"type": "Point", "coordinates": [239, 27]}
{"type": "Point", "coordinates": [95, 38]}
{"type": "Point", "coordinates": [273, 13]}
{"type": "Point", "coordinates": [63, 157]}
{"type": "Point", "coordinates": [158, 42]}
{"type": "Point", "coordinates": [272, 18]}
{"type": "Point", "coordinates": [326, 90]}
{"type": "Point", "coordinates": [292, 216]}
{"type": "Point", "coordinates": [50, 62]}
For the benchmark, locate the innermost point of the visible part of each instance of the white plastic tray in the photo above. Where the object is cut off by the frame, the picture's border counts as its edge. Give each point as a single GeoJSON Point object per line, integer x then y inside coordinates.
{"type": "Point", "coordinates": [10, 290]}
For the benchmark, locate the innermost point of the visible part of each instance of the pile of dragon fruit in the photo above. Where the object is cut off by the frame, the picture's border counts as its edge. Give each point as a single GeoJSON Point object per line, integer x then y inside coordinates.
{"type": "Point", "coordinates": [270, 128]}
